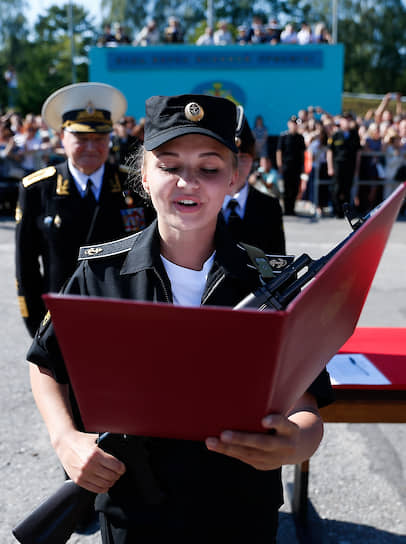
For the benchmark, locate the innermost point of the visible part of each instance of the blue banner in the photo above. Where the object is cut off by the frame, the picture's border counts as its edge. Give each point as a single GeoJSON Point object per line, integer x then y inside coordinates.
{"type": "Point", "coordinates": [126, 58]}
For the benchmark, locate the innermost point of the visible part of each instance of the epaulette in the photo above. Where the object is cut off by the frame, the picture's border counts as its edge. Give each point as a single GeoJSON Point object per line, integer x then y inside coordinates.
{"type": "Point", "coordinates": [107, 249]}
{"type": "Point", "coordinates": [44, 173]}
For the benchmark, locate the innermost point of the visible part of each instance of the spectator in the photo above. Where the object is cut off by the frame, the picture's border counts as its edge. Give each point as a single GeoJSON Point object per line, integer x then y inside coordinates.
{"type": "Point", "coordinates": [10, 75]}
{"type": "Point", "coordinates": [273, 32]}
{"type": "Point", "coordinates": [258, 36]}
{"type": "Point", "coordinates": [29, 148]}
{"type": "Point", "coordinates": [122, 142]}
{"type": "Point", "coordinates": [138, 130]}
{"type": "Point", "coordinates": [9, 158]}
{"type": "Point", "coordinates": [382, 115]}
{"type": "Point", "coordinates": [120, 37]}
{"type": "Point", "coordinates": [222, 35]}
{"type": "Point", "coordinates": [242, 35]}
{"type": "Point", "coordinates": [290, 162]}
{"type": "Point", "coordinates": [206, 38]}
{"type": "Point", "coordinates": [395, 159]}
{"type": "Point", "coordinates": [304, 36]}
{"type": "Point", "coordinates": [173, 32]}
{"type": "Point", "coordinates": [266, 178]}
{"type": "Point", "coordinates": [288, 34]}
{"type": "Point", "coordinates": [261, 135]}
{"type": "Point", "coordinates": [402, 133]}
{"type": "Point", "coordinates": [343, 157]}
{"type": "Point", "coordinates": [321, 34]}
{"type": "Point", "coordinates": [256, 24]}
{"type": "Point", "coordinates": [149, 35]}
{"type": "Point", "coordinates": [107, 39]}
{"type": "Point", "coordinates": [316, 148]}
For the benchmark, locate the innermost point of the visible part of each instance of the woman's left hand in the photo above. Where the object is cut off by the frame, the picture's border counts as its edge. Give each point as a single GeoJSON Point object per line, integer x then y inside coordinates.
{"type": "Point", "coordinates": [261, 450]}
{"type": "Point", "coordinates": [286, 439]}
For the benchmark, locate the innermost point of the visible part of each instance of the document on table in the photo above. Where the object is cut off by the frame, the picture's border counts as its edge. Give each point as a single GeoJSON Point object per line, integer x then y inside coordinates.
{"type": "Point", "coordinates": [354, 368]}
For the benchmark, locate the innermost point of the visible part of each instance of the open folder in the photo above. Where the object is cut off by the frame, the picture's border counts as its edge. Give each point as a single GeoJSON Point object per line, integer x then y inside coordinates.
{"type": "Point", "coordinates": [169, 371]}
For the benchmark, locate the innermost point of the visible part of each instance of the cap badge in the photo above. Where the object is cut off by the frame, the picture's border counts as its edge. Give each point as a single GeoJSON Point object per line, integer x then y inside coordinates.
{"type": "Point", "coordinates": [194, 112]}
{"type": "Point", "coordinates": [90, 108]}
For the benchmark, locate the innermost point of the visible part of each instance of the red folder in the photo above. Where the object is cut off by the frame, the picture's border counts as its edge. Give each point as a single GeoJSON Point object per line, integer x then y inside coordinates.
{"type": "Point", "coordinates": [169, 371]}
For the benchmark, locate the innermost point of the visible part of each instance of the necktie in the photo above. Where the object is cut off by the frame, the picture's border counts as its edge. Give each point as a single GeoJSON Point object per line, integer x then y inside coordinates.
{"type": "Point", "coordinates": [233, 215]}
{"type": "Point", "coordinates": [89, 194]}
{"type": "Point", "coordinates": [89, 200]}
{"type": "Point", "coordinates": [234, 221]}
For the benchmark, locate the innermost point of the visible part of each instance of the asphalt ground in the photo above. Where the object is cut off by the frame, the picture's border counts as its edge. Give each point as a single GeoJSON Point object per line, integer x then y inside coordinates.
{"type": "Point", "coordinates": [357, 485]}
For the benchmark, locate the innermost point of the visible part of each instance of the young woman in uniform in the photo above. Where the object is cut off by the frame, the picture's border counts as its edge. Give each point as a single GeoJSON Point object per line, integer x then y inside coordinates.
{"type": "Point", "coordinates": [228, 486]}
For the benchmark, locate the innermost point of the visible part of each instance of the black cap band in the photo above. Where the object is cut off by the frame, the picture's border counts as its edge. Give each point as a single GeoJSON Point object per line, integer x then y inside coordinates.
{"type": "Point", "coordinates": [168, 117]}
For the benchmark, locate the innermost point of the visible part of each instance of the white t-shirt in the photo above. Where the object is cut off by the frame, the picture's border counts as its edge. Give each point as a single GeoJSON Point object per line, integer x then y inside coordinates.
{"type": "Point", "coordinates": [187, 285]}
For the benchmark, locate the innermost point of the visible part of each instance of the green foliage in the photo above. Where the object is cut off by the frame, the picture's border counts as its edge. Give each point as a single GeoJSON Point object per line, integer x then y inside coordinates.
{"type": "Point", "coordinates": [44, 62]}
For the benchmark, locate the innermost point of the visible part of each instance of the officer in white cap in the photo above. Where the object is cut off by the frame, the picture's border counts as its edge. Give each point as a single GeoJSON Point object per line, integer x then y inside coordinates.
{"type": "Point", "coordinates": [80, 201]}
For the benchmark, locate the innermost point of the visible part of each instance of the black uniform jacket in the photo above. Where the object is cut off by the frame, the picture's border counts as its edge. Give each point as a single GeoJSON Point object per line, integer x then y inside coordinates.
{"type": "Point", "coordinates": [262, 224]}
{"type": "Point", "coordinates": [345, 147]}
{"type": "Point", "coordinates": [52, 223]}
{"type": "Point", "coordinates": [197, 485]}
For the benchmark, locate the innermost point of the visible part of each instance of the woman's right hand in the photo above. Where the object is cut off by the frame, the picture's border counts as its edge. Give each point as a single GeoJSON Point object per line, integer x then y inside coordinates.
{"type": "Point", "coordinates": [87, 464]}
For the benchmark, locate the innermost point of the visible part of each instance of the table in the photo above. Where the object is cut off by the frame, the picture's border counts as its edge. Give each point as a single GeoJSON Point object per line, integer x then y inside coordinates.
{"type": "Point", "coordinates": [386, 348]}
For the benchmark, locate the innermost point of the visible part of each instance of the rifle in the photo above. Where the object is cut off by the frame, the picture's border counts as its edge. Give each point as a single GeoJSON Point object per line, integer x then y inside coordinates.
{"type": "Point", "coordinates": [55, 519]}
{"type": "Point", "coordinates": [283, 287]}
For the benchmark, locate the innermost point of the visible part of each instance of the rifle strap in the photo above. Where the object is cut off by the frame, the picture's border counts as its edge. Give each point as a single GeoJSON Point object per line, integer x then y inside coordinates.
{"type": "Point", "coordinates": [259, 260]}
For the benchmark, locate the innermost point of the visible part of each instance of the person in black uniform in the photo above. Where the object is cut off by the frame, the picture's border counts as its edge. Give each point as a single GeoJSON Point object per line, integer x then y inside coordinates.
{"type": "Point", "coordinates": [57, 212]}
{"type": "Point", "coordinates": [229, 485]}
{"type": "Point", "coordinates": [343, 156]}
{"type": "Point", "coordinates": [252, 217]}
{"type": "Point", "coordinates": [290, 162]}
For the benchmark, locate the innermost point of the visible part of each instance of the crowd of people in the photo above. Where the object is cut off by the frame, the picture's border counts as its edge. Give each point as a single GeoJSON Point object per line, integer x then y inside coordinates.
{"type": "Point", "coordinates": [376, 153]}
{"type": "Point", "coordinates": [355, 158]}
{"type": "Point", "coordinates": [257, 32]}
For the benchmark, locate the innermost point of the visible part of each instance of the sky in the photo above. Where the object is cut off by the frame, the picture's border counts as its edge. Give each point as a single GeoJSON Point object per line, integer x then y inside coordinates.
{"type": "Point", "coordinates": [39, 7]}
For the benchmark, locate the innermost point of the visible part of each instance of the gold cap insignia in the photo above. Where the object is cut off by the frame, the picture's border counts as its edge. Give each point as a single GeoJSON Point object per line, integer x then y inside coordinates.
{"type": "Point", "coordinates": [194, 112]}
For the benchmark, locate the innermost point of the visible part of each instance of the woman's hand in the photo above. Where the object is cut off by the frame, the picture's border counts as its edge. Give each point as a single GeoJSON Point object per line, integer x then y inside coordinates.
{"type": "Point", "coordinates": [87, 464]}
{"type": "Point", "coordinates": [260, 450]}
{"type": "Point", "coordinates": [290, 439]}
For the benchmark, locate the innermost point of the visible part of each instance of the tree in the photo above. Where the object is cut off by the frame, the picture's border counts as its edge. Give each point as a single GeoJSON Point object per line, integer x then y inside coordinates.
{"type": "Point", "coordinates": [45, 61]}
{"type": "Point", "coordinates": [373, 38]}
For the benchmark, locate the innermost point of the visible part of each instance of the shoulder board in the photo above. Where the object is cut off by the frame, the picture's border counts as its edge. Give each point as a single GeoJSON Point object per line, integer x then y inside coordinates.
{"type": "Point", "coordinates": [107, 249]}
{"type": "Point", "coordinates": [39, 175]}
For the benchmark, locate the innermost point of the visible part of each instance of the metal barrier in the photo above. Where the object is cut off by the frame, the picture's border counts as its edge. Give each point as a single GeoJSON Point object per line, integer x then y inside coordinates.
{"type": "Point", "coordinates": [389, 184]}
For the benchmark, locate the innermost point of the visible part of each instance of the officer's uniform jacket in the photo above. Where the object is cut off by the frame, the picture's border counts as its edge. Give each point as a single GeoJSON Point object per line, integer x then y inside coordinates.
{"type": "Point", "coordinates": [196, 484]}
{"type": "Point", "coordinates": [262, 224]}
{"type": "Point", "coordinates": [52, 222]}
